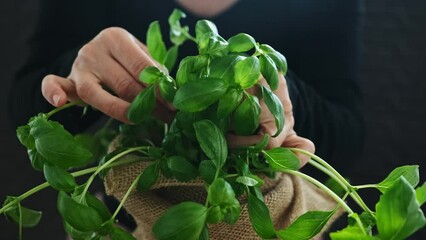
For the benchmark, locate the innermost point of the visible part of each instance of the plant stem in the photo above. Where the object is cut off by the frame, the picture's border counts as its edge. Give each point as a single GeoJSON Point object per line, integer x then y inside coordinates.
{"type": "Point", "coordinates": [365, 186]}
{"type": "Point", "coordinates": [68, 105]}
{"type": "Point", "coordinates": [131, 188]}
{"type": "Point", "coordinates": [20, 221]}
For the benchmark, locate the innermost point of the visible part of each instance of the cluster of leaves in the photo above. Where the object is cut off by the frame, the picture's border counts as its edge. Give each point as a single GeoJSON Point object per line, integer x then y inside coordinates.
{"type": "Point", "coordinates": [210, 93]}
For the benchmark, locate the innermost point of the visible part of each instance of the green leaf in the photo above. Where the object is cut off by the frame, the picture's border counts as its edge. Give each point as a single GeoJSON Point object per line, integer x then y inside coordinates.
{"type": "Point", "coordinates": [282, 159]}
{"type": "Point", "coordinates": [178, 34]}
{"type": "Point", "coordinates": [24, 136]}
{"type": "Point", "coordinates": [30, 218]}
{"type": "Point", "coordinates": [247, 72]}
{"type": "Point", "coordinates": [212, 142]}
{"type": "Point", "coordinates": [118, 233]}
{"type": "Point", "coordinates": [204, 233]}
{"type": "Point", "coordinates": [398, 212]}
{"type": "Point", "coordinates": [204, 27]}
{"type": "Point", "coordinates": [197, 95]}
{"type": "Point", "coordinates": [155, 43]}
{"type": "Point", "coordinates": [59, 178]}
{"type": "Point", "coordinates": [275, 107]}
{"type": "Point", "coordinates": [421, 194]}
{"type": "Point", "coordinates": [99, 206]}
{"type": "Point", "coordinates": [229, 102]}
{"type": "Point", "coordinates": [142, 106]}
{"type": "Point", "coordinates": [215, 215]}
{"type": "Point", "coordinates": [334, 186]}
{"type": "Point", "coordinates": [171, 57]}
{"type": "Point", "coordinates": [220, 192]}
{"type": "Point", "coordinates": [269, 71]}
{"type": "Point", "coordinates": [79, 216]}
{"type": "Point", "coordinates": [183, 221]}
{"type": "Point", "coordinates": [190, 68]}
{"type": "Point", "coordinates": [90, 142]}
{"type": "Point", "coordinates": [258, 147]}
{"type": "Point", "coordinates": [279, 59]}
{"type": "Point", "coordinates": [409, 172]}
{"type": "Point", "coordinates": [181, 169]}
{"type": "Point", "coordinates": [233, 212]}
{"type": "Point", "coordinates": [56, 145]}
{"type": "Point", "coordinates": [167, 87]}
{"type": "Point", "coordinates": [260, 217]}
{"type": "Point", "coordinates": [306, 226]}
{"type": "Point", "coordinates": [241, 42]}
{"type": "Point", "coordinates": [150, 75]}
{"type": "Point", "coordinates": [148, 177]}
{"type": "Point", "coordinates": [248, 181]}
{"type": "Point", "coordinates": [78, 235]}
{"type": "Point", "coordinates": [351, 233]}
{"type": "Point", "coordinates": [37, 161]}
{"type": "Point", "coordinates": [207, 170]}
{"type": "Point", "coordinates": [246, 116]}
{"type": "Point", "coordinates": [223, 67]}
{"type": "Point", "coordinates": [213, 45]}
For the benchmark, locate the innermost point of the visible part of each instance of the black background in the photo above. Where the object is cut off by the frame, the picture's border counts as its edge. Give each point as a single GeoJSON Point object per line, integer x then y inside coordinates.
{"type": "Point", "coordinates": [393, 75]}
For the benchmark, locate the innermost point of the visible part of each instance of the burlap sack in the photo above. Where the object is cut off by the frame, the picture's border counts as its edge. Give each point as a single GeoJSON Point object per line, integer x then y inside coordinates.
{"type": "Point", "coordinates": [286, 196]}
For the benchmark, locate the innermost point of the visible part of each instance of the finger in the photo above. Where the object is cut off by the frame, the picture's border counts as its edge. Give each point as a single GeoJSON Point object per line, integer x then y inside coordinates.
{"type": "Point", "coordinates": [235, 141]}
{"type": "Point", "coordinates": [58, 90]}
{"type": "Point", "coordinates": [295, 141]}
{"type": "Point", "coordinates": [91, 92]}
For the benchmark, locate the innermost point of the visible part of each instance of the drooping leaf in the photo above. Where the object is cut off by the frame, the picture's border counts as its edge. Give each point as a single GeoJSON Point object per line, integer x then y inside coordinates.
{"type": "Point", "coordinates": [155, 43]}
{"type": "Point", "coordinates": [79, 216]}
{"type": "Point", "coordinates": [275, 107]}
{"type": "Point", "coordinates": [409, 172]}
{"type": "Point", "coordinates": [183, 221]}
{"type": "Point", "coordinates": [181, 169]}
{"type": "Point", "coordinates": [247, 72]}
{"type": "Point", "coordinates": [282, 159]}
{"type": "Point", "coordinates": [59, 178]}
{"type": "Point", "coordinates": [260, 217]}
{"type": "Point", "coordinates": [29, 217]}
{"type": "Point", "coordinates": [421, 194]}
{"type": "Point", "coordinates": [241, 42]}
{"type": "Point", "coordinates": [269, 71]}
{"type": "Point", "coordinates": [171, 57]}
{"type": "Point", "coordinates": [37, 161]}
{"type": "Point", "coordinates": [229, 102]}
{"type": "Point", "coordinates": [212, 142]}
{"type": "Point", "coordinates": [279, 59]}
{"type": "Point", "coordinates": [178, 34]}
{"type": "Point", "coordinates": [246, 116]}
{"type": "Point", "coordinates": [142, 106]}
{"type": "Point", "coordinates": [99, 206]}
{"type": "Point", "coordinates": [306, 226]}
{"type": "Point", "coordinates": [148, 177]}
{"type": "Point", "coordinates": [398, 212]}
{"type": "Point", "coordinates": [167, 87]}
{"type": "Point", "coordinates": [150, 75]}
{"type": "Point", "coordinates": [24, 136]}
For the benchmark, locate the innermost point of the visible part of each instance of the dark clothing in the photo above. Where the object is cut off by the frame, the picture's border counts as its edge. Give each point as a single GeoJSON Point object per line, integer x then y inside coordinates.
{"type": "Point", "coordinates": [319, 38]}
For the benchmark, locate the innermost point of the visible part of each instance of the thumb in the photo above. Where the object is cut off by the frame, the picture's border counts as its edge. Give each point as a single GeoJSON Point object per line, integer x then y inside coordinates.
{"type": "Point", "coordinates": [58, 90]}
{"type": "Point", "coordinates": [294, 141]}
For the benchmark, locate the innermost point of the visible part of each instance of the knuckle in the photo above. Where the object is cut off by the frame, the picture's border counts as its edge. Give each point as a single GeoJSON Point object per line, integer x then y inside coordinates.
{"type": "Point", "coordinates": [83, 89]}
{"type": "Point", "coordinates": [85, 56]}
{"type": "Point", "coordinates": [137, 66]}
{"type": "Point", "coordinates": [111, 33]}
{"type": "Point", "coordinates": [123, 87]}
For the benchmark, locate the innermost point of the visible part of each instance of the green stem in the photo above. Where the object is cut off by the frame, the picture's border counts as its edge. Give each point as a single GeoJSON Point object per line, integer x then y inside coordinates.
{"type": "Point", "coordinates": [104, 166]}
{"type": "Point", "coordinates": [131, 188]}
{"type": "Point", "coordinates": [68, 105]}
{"type": "Point", "coordinates": [365, 186]}
{"type": "Point", "coordinates": [20, 221]}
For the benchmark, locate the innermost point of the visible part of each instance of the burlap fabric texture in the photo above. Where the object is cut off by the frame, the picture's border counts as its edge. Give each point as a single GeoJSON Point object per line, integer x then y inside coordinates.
{"type": "Point", "coordinates": [286, 196]}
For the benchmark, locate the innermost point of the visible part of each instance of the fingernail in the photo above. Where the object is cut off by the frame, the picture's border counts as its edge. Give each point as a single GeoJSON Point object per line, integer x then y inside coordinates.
{"type": "Point", "coordinates": [56, 99]}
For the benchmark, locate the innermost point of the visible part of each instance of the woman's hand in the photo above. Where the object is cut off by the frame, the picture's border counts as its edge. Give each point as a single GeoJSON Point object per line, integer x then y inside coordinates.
{"type": "Point", "coordinates": [112, 60]}
{"type": "Point", "coordinates": [288, 137]}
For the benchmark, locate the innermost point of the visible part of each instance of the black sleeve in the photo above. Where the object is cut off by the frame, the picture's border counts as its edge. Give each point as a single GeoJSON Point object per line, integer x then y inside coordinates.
{"type": "Point", "coordinates": [325, 92]}
{"type": "Point", "coordinates": [62, 28]}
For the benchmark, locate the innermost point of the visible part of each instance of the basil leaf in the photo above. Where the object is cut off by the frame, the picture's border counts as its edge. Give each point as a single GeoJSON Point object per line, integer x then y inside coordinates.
{"type": "Point", "coordinates": [306, 226]}
{"type": "Point", "coordinates": [241, 42]}
{"type": "Point", "coordinates": [260, 145]}
{"type": "Point", "coordinates": [118, 233]}
{"type": "Point", "coordinates": [59, 178]}
{"type": "Point", "coordinates": [223, 67]}
{"type": "Point", "coordinates": [190, 68]}
{"type": "Point", "coordinates": [37, 161]}
{"type": "Point", "coordinates": [167, 88]}
{"type": "Point", "coordinates": [99, 206]}
{"type": "Point", "coordinates": [421, 194]}
{"type": "Point", "coordinates": [279, 60]}
{"type": "Point", "coordinates": [282, 159]}
{"type": "Point", "coordinates": [233, 212]}
{"type": "Point", "coordinates": [248, 181]}
{"type": "Point", "coordinates": [56, 145]}
{"type": "Point", "coordinates": [79, 216]}
{"type": "Point", "coordinates": [214, 215]}
{"type": "Point", "coordinates": [204, 233]}
{"type": "Point", "coordinates": [181, 169]}
{"type": "Point", "coordinates": [275, 107]}
{"type": "Point", "coordinates": [150, 75]}
{"type": "Point", "coordinates": [229, 102]}
{"type": "Point", "coordinates": [24, 136]}
{"type": "Point", "coordinates": [410, 173]}
{"type": "Point", "coordinates": [29, 217]}
{"type": "Point", "coordinates": [207, 170]}
{"type": "Point", "coordinates": [79, 235]}
{"type": "Point", "coordinates": [269, 71]}
{"type": "Point", "coordinates": [247, 72]}
{"type": "Point", "coordinates": [246, 116]}
{"type": "Point", "coordinates": [398, 213]}
{"type": "Point", "coordinates": [212, 142]}
{"type": "Point", "coordinates": [148, 177]}
{"type": "Point", "coordinates": [142, 106]}
{"type": "Point", "coordinates": [178, 34]}
{"type": "Point", "coordinates": [334, 186]}
{"type": "Point", "coordinates": [203, 27]}
{"type": "Point", "coordinates": [171, 57]}
{"type": "Point", "coordinates": [220, 192]}
{"type": "Point", "coordinates": [183, 221]}
{"type": "Point", "coordinates": [213, 45]}
{"type": "Point", "coordinates": [351, 233]}
{"type": "Point", "coordinates": [155, 43]}
{"type": "Point", "coordinates": [197, 95]}
{"type": "Point", "coordinates": [260, 218]}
